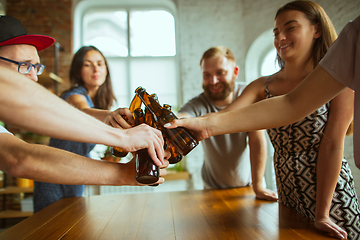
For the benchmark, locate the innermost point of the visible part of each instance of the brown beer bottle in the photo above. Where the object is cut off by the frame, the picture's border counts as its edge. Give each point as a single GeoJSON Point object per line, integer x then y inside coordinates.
{"type": "Point", "coordinates": [147, 172]}
{"type": "Point", "coordinates": [118, 152]}
{"type": "Point", "coordinates": [135, 103]}
{"type": "Point", "coordinates": [149, 120]}
{"type": "Point", "coordinates": [175, 156]}
{"type": "Point", "coordinates": [181, 138]}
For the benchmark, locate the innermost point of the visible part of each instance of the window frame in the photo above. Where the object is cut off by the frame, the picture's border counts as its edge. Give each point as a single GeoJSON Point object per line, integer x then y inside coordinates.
{"type": "Point", "coordinates": [82, 7]}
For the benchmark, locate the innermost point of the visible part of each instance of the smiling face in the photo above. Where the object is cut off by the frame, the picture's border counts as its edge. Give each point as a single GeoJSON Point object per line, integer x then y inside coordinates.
{"type": "Point", "coordinates": [294, 36]}
{"type": "Point", "coordinates": [93, 71]}
{"type": "Point", "coordinates": [219, 76]}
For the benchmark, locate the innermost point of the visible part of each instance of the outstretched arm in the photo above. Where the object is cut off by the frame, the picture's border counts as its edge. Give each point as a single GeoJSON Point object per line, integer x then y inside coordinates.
{"type": "Point", "coordinates": [29, 106]}
{"type": "Point", "coordinates": [316, 89]}
{"type": "Point", "coordinates": [47, 164]}
{"type": "Point", "coordinates": [112, 118]}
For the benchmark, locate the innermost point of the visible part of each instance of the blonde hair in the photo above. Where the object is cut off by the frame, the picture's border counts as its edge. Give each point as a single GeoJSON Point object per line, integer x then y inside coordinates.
{"type": "Point", "coordinates": [218, 51]}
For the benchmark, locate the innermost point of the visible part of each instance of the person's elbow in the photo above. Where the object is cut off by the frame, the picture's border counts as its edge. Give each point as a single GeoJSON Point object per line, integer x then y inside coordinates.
{"type": "Point", "coordinates": [14, 166]}
{"type": "Point", "coordinates": [15, 159]}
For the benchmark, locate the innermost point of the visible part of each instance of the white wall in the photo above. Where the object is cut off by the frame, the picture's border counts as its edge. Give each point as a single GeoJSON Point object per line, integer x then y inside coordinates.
{"type": "Point", "coordinates": [235, 24]}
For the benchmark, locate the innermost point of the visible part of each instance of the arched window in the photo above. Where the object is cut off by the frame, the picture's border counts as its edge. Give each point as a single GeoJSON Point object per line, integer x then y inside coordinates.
{"type": "Point", "coordinates": [260, 59]}
{"type": "Point", "coordinates": [138, 39]}
{"type": "Point", "coordinates": [269, 65]}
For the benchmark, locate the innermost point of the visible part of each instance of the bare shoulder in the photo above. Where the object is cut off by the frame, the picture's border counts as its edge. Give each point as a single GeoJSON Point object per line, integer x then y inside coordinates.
{"type": "Point", "coordinates": [76, 98]}
{"type": "Point", "coordinates": [258, 87]}
{"type": "Point", "coordinates": [78, 101]}
{"type": "Point", "coordinates": [260, 82]}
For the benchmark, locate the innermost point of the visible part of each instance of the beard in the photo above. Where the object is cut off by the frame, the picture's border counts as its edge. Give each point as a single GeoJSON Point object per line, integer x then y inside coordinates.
{"type": "Point", "coordinates": [228, 88]}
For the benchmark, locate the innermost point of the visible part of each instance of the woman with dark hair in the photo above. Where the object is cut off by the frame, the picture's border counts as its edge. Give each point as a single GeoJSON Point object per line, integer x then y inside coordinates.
{"type": "Point", "coordinates": [312, 176]}
{"type": "Point", "coordinates": [91, 91]}
{"type": "Point", "coordinates": [104, 97]}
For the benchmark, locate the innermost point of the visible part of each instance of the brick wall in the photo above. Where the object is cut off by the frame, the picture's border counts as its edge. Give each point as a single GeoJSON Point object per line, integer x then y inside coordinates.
{"type": "Point", "coordinates": [48, 17]}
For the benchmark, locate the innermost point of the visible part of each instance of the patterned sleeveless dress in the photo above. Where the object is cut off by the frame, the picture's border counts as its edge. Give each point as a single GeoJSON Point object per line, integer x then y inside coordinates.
{"type": "Point", "coordinates": [296, 149]}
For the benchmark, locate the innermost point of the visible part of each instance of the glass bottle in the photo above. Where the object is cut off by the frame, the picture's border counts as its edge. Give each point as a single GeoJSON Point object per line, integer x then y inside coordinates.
{"type": "Point", "coordinates": [175, 156]}
{"type": "Point", "coordinates": [181, 138]}
{"type": "Point", "coordinates": [147, 172]}
{"type": "Point", "coordinates": [135, 103]}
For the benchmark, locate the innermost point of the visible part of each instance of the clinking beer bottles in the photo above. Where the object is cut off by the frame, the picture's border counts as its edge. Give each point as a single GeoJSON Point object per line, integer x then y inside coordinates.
{"type": "Point", "coordinates": [181, 141]}
{"type": "Point", "coordinates": [180, 137]}
{"type": "Point", "coordinates": [149, 120]}
{"type": "Point", "coordinates": [147, 172]}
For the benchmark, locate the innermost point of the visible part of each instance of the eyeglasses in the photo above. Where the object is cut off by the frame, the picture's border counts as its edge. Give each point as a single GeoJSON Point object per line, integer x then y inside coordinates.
{"type": "Point", "coordinates": [25, 67]}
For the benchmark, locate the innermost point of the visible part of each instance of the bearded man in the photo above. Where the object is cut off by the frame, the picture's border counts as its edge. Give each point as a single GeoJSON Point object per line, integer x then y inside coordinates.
{"type": "Point", "coordinates": [230, 160]}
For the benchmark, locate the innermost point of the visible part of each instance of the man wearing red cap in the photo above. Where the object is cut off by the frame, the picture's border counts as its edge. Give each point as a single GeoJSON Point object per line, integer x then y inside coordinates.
{"type": "Point", "coordinates": [30, 106]}
{"type": "Point", "coordinates": [18, 49]}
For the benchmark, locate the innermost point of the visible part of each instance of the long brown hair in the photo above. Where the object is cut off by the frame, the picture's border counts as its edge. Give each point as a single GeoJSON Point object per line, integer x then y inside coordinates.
{"type": "Point", "coordinates": [104, 97]}
{"type": "Point", "coordinates": [316, 15]}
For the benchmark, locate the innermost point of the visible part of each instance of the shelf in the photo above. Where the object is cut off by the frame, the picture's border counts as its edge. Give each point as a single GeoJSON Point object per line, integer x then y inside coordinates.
{"type": "Point", "coordinates": [173, 175]}
{"type": "Point", "coordinates": [14, 189]}
{"type": "Point", "coordinates": [14, 214]}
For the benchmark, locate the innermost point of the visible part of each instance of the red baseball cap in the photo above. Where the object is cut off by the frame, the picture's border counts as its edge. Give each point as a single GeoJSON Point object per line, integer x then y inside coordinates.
{"type": "Point", "coordinates": [13, 32]}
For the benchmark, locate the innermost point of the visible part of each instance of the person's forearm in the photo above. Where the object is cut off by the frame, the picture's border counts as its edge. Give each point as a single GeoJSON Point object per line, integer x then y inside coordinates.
{"type": "Point", "coordinates": [21, 100]}
{"type": "Point", "coordinates": [317, 89]}
{"type": "Point", "coordinates": [328, 169]}
{"type": "Point", "coordinates": [239, 120]}
{"type": "Point", "coordinates": [43, 163]}
{"type": "Point", "coordinates": [258, 154]}
{"type": "Point", "coordinates": [99, 114]}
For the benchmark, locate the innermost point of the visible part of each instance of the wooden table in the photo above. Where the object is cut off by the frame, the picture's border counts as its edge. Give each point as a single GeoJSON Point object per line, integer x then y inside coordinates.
{"type": "Point", "coordinates": [201, 214]}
